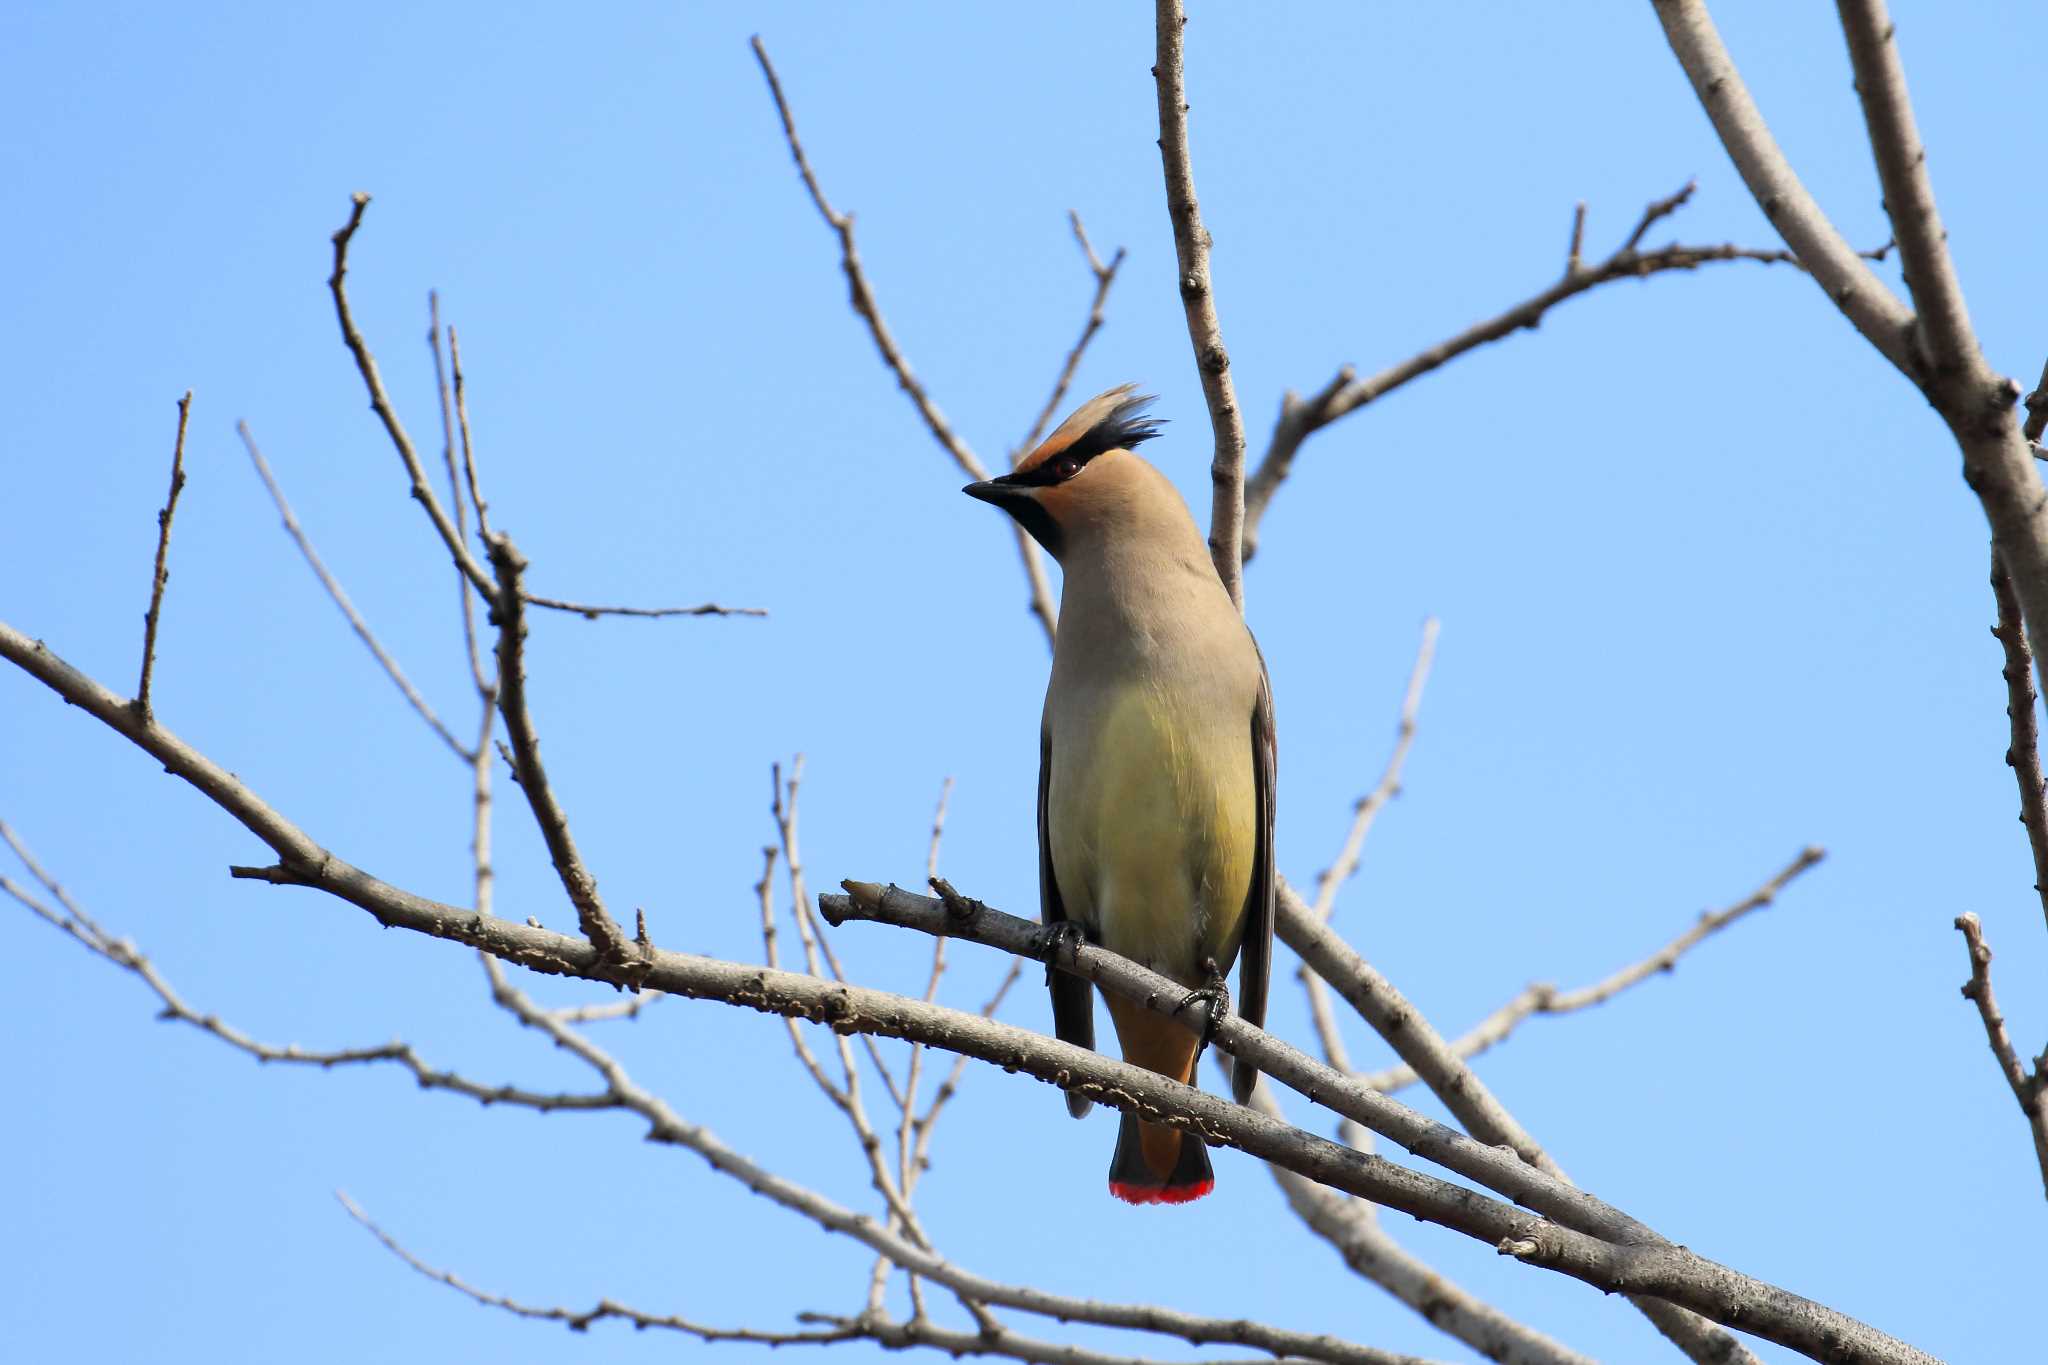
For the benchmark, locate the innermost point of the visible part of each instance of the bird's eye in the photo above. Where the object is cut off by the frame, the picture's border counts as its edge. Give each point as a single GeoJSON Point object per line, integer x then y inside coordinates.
{"type": "Point", "coordinates": [1066, 467]}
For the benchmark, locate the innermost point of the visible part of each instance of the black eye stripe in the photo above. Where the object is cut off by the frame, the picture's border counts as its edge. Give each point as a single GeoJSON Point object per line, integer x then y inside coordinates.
{"type": "Point", "coordinates": [1123, 428]}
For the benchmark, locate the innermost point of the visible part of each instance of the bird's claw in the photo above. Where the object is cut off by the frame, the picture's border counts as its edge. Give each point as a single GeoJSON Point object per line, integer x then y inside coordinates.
{"type": "Point", "coordinates": [1214, 992]}
{"type": "Point", "coordinates": [1052, 938]}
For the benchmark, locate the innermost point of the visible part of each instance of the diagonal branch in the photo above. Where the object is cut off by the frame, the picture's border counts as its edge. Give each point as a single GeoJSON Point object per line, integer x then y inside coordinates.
{"type": "Point", "coordinates": [2029, 1088]}
{"type": "Point", "coordinates": [1349, 1226]}
{"type": "Point", "coordinates": [862, 299]}
{"type": "Point", "coordinates": [1105, 276]}
{"type": "Point", "coordinates": [124, 954]}
{"type": "Point", "coordinates": [1855, 289]}
{"type": "Point", "coordinates": [1808, 1327]}
{"type": "Point", "coordinates": [340, 598]}
{"type": "Point", "coordinates": [1545, 999]}
{"type": "Point", "coordinates": [1470, 1101]}
{"type": "Point", "coordinates": [1638, 1262]}
{"type": "Point", "coordinates": [1346, 393]}
{"type": "Point", "coordinates": [596, 922]}
{"type": "Point", "coordinates": [2023, 754]}
{"type": "Point", "coordinates": [163, 549]}
{"type": "Point", "coordinates": [1191, 242]}
{"type": "Point", "coordinates": [380, 403]}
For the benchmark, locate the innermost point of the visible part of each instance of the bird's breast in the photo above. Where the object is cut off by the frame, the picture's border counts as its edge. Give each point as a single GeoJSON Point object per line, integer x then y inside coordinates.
{"type": "Point", "coordinates": [1151, 811]}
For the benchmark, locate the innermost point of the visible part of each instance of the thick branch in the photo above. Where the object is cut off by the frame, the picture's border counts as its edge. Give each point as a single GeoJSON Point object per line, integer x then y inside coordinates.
{"type": "Point", "coordinates": [1643, 1266]}
{"type": "Point", "coordinates": [163, 550]}
{"type": "Point", "coordinates": [2029, 1088]}
{"type": "Point", "coordinates": [1467, 1097]}
{"type": "Point", "coordinates": [1191, 243]}
{"type": "Point", "coordinates": [1758, 1308]}
{"type": "Point", "coordinates": [1348, 1226]}
{"type": "Point", "coordinates": [1834, 265]}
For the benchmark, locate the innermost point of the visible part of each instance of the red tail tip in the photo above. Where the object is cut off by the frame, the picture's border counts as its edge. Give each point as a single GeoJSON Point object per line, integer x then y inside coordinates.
{"type": "Point", "coordinates": [1160, 1194]}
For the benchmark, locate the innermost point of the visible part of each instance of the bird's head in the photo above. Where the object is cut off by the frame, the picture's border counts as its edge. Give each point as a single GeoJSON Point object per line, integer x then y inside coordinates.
{"type": "Point", "coordinates": [1084, 480]}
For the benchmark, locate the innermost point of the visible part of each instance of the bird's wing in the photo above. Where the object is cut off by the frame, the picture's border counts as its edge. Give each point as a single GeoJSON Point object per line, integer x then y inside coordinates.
{"type": "Point", "coordinates": [1257, 958]}
{"type": "Point", "coordinates": [1073, 1004]}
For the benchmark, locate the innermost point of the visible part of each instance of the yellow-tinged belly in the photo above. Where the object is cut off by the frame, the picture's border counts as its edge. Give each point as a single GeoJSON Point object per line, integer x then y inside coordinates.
{"type": "Point", "coordinates": [1152, 815]}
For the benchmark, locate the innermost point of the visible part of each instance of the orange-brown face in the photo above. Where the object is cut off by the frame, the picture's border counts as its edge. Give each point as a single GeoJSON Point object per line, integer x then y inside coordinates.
{"type": "Point", "coordinates": [1078, 473]}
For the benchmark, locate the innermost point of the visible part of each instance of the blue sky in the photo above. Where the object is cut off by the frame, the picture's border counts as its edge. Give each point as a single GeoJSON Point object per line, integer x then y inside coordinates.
{"type": "Point", "coordinates": [1711, 589]}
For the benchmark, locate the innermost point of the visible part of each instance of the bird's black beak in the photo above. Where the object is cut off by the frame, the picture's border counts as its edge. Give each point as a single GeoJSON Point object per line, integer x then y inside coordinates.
{"type": "Point", "coordinates": [997, 491]}
{"type": "Point", "coordinates": [1017, 498]}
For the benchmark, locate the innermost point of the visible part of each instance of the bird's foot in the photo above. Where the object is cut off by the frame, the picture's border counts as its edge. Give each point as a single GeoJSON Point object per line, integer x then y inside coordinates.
{"type": "Point", "coordinates": [1213, 992]}
{"type": "Point", "coordinates": [1055, 937]}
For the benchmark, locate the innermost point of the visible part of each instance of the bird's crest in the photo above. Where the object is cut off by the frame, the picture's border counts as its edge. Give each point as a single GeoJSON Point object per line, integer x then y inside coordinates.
{"type": "Point", "coordinates": [1109, 421]}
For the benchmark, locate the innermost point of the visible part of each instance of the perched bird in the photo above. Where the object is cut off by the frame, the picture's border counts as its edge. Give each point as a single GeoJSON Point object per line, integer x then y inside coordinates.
{"type": "Point", "coordinates": [1155, 777]}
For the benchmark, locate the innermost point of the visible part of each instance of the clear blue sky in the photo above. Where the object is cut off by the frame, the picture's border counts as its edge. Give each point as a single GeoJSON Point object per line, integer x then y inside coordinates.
{"type": "Point", "coordinates": [1710, 585]}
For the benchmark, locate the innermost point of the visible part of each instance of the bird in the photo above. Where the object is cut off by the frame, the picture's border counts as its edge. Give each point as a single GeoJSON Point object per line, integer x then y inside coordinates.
{"type": "Point", "coordinates": [1156, 764]}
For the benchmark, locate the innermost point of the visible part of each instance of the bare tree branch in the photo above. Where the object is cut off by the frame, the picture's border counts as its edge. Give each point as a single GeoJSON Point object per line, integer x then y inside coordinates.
{"type": "Point", "coordinates": [163, 549]}
{"type": "Point", "coordinates": [2023, 754]}
{"type": "Point", "coordinates": [591, 612]}
{"type": "Point", "coordinates": [1349, 1225]}
{"type": "Point", "coordinates": [124, 954]}
{"type": "Point", "coordinates": [1345, 393]}
{"type": "Point", "coordinates": [1388, 787]}
{"type": "Point", "coordinates": [380, 403]}
{"type": "Point", "coordinates": [1468, 1098]}
{"type": "Point", "coordinates": [1641, 1264]}
{"type": "Point", "coordinates": [1543, 998]}
{"type": "Point", "coordinates": [890, 1334]}
{"type": "Point", "coordinates": [1105, 276]}
{"type": "Point", "coordinates": [1191, 242]}
{"type": "Point", "coordinates": [2029, 1088]}
{"type": "Point", "coordinates": [1937, 350]}
{"type": "Point", "coordinates": [1855, 289]}
{"type": "Point", "coordinates": [509, 601]}
{"type": "Point", "coordinates": [862, 299]}
{"type": "Point", "coordinates": [1764, 1310]}
{"type": "Point", "coordinates": [340, 598]}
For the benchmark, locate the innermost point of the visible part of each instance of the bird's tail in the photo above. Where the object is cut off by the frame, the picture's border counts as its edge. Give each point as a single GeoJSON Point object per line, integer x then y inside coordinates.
{"type": "Point", "coordinates": [1135, 1180]}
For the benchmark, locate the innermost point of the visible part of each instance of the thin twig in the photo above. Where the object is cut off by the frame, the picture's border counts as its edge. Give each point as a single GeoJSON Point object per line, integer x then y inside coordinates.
{"type": "Point", "coordinates": [172, 1008]}
{"type": "Point", "coordinates": [1388, 787]}
{"type": "Point", "coordinates": [380, 403]}
{"type": "Point", "coordinates": [2023, 753]}
{"type": "Point", "coordinates": [885, 1332]}
{"type": "Point", "coordinates": [476, 496]}
{"type": "Point", "coordinates": [1345, 393]}
{"type": "Point", "coordinates": [2029, 1088]}
{"type": "Point", "coordinates": [340, 598]}
{"type": "Point", "coordinates": [455, 498]}
{"type": "Point", "coordinates": [163, 549]}
{"type": "Point", "coordinates": [1105, 276]}
{"type": "Point", "coordinates": [862, 299]}
{"type": "Point", "coordinates": [1542, 998]}
{"type": "Point", "coordinates": [1191, 242]}
{"type": "Point", "coordinates": [591, 612]}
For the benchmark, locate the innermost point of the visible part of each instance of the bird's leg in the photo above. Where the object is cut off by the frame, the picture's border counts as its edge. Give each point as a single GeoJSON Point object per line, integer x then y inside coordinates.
{"type": "Point", "coordinates": [1052, 938]}
{"type": "Point", "coordinates": [1213, 992]}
